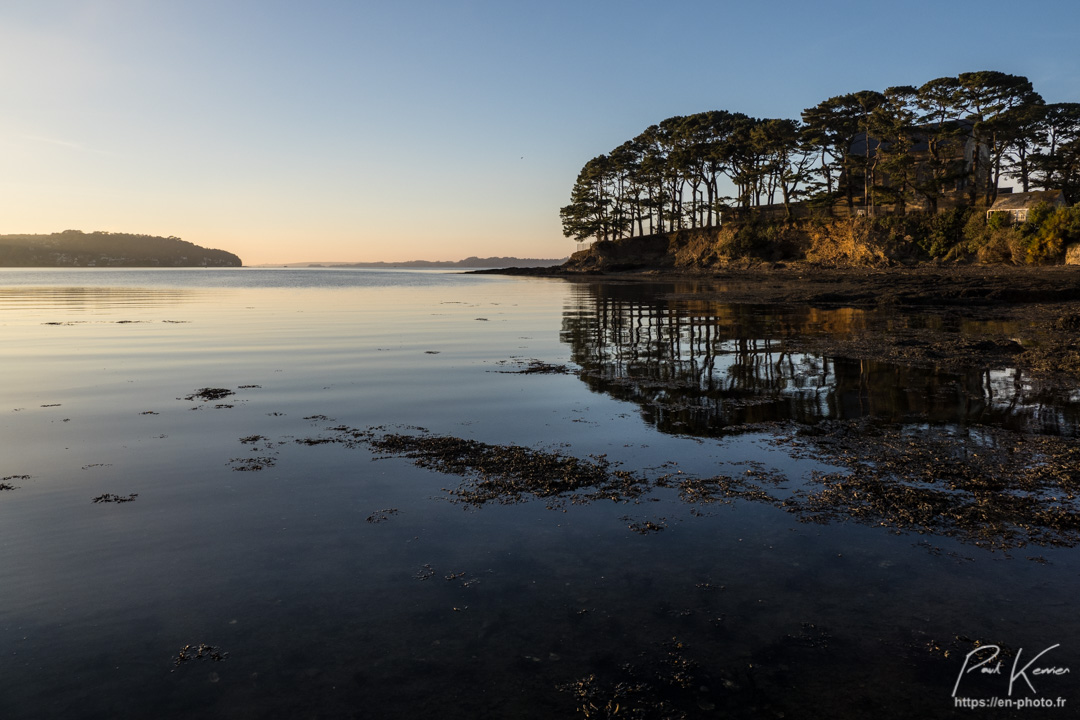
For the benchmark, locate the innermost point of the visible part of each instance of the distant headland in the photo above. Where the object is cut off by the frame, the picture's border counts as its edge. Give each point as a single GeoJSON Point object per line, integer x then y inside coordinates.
{"type": "Point", "coordinates": [469, 262]}
{"type": "Point", "coordinates": [74, 248]}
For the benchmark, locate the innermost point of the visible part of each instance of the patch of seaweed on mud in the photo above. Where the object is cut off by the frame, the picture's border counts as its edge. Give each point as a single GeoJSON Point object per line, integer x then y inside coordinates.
{"type": "Point", "coordinates": [511, 473]}
{"type": "Point", "coordinates": [252, 464]}
{"type": "Point", "coordinates": [5, 485]}
{"type": "Point", "coordinates": [753, 485]}
{"type": "Point", "coordinates": [112, 498]}
{"type": "Point", "coordinates": [663, 682]}
{"type": "Point", "coordinates": [208, 394]}
{"type": "Point", "coordinates": [382, 515]}
{"type": "Point", "coordinates": [494, 473]}
{"type": "Point", "coordinates": [644, 527]}
{"type": "Point", "coordinates": [534, 367]}
{"type": "Point", "coordinates": [202, 651]}
{"type": "Point", "coordinates": [991, 487]}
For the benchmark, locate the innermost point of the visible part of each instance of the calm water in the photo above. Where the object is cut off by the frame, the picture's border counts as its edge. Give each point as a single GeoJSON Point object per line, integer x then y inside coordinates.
{"type": "Point", "coordinates": [343, 583]}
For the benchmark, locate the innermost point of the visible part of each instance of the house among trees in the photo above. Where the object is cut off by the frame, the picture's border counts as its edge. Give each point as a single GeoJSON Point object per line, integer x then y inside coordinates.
{"type": "Point", "coordinates": [929, 168]}
{"type": "Point", "coordinates": [1017, 205]}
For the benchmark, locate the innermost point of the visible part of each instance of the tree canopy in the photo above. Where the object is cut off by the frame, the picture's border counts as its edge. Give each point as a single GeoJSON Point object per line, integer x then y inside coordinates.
{"type": "Point", "coordinates": [906, 146]}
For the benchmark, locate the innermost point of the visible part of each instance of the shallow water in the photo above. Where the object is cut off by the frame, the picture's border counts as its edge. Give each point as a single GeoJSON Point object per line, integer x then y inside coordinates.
{"type": "Point", "coordinates": [342, 583]}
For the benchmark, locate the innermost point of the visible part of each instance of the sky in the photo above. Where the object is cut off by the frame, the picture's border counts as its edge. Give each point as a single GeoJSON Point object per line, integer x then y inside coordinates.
{"type": "Point", "coordinates": [333, 130]}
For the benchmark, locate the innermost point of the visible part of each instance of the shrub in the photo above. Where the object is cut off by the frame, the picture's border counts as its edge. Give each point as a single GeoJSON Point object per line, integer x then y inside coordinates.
{"type": "Point", "coordinates": [1036, 217]}
{"type": "Point", "coordinates": [999, 220]}
{"type": "Point", "coordinates": [846, 242]}
{"type": "Point", "coordinates": [947, 230]}
{"type": "Point", "coordinates": [1043, 250]}
{"type": "Point", "coordinates": [745, 242]}
{"type": "Point", "coordinates": [1055, 230]}
{"type": "Point", "coordinates": [922, 235]}
{"type": "Point", "coordinates": [998, 246]}
{"type": "Point", "coordinates": [899, 234]}
{"type": "Point", "coordinates": [978, 239]}
{"type": "Point", "coordinates": [762, 240]}
{"type": "Point", "coordinates": [995, 240]}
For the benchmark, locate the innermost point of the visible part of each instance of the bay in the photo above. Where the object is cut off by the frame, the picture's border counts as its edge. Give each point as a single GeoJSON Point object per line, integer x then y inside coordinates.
{"type": "Point", "coordinates": [344, 581]}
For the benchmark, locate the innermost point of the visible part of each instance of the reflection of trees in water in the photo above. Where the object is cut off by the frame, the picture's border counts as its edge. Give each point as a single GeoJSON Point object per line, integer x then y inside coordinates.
{"type": "Point", "coordinates": [1010, 394]}
{"type": "Point", "coordinates": [706, 368]}
{"type": "Point", "coordinates": [921, 449]}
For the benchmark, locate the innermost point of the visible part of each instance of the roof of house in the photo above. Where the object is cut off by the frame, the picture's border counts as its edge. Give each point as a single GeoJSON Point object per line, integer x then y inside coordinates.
{"type": "Point", "coordinates": [1021, 201]}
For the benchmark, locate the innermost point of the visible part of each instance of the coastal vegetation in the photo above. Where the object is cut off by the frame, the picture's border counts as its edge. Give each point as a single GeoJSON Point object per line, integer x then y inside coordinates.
{"type": "Point", "coordinates": [955, 235]}
{"type": "Point", "coordinates": [908, 172]}
{"type": "Point", "coordinates": [74, 248]}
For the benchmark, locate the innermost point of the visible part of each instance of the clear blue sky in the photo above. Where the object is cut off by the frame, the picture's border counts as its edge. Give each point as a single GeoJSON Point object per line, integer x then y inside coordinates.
{"type": "Point", "coordinates": [333, 130]}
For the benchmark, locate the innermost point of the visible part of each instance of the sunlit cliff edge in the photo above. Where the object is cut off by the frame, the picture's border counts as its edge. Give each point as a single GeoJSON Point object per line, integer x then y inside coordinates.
{"type": "Point", "coordinates": [841, 242]}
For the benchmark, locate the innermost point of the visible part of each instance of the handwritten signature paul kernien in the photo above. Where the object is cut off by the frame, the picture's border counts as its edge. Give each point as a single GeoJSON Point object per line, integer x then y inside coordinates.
{"type": "Point", "coordinates": [983, 666]}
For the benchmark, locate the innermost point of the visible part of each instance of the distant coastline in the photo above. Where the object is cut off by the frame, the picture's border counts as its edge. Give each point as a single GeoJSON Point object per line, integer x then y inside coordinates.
{"type": "Point", "coordinates": [469, 262]}
{"type": "Point", "coordinates": [74, 248]}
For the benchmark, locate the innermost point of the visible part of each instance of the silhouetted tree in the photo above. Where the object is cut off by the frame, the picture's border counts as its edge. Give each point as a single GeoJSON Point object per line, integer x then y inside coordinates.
{"type": "Point", "coordinates": [902, 145]}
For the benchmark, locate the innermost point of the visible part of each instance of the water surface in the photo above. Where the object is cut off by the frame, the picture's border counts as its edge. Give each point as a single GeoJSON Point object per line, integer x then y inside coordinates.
{"type": "Point", "coordinates": [344, 583]}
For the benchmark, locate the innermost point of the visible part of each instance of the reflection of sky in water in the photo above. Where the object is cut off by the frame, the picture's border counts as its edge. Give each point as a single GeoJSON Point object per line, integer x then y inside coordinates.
{"type": "Point", "coordinates": [26, 300]}
{"type": "Point", "coordinates": [322, 611]}
{"type": "Point", "coordinates": [119, 280]}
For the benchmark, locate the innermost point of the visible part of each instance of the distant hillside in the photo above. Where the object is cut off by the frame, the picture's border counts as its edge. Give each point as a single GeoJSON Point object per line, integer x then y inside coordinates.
{"type": "Point", "coordinates": [74, 248]}
{"type": "Point", "coordinates": [469, 262]}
